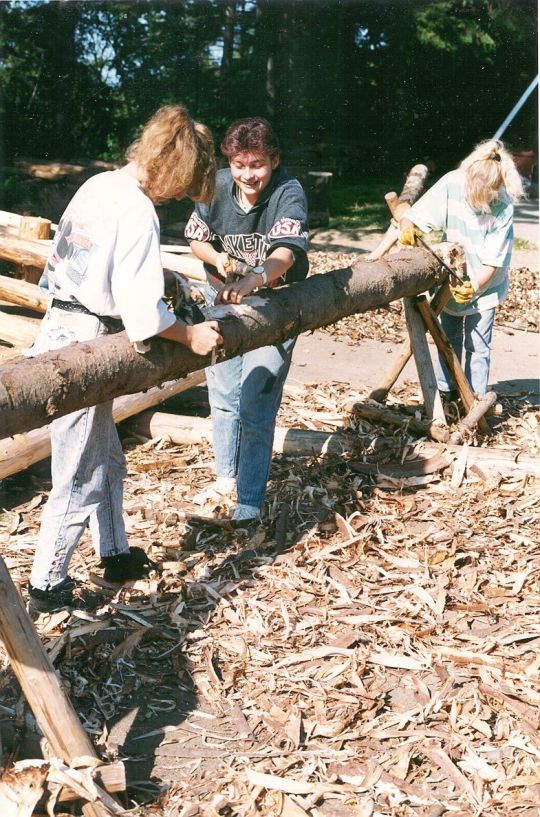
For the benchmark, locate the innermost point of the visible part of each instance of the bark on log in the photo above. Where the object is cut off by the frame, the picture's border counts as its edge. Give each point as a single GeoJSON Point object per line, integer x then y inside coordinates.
{"type": "Point", "coordinates": [23, 450]}
{"type": "Point", "coordinates": [23, 293]}
{"type": "Point", "coordinates": [378, 414]}
{"type": "Point", "coordinates": [35, 391]}
{"type": "Point", "coordinates": [412, 190]}
{"type": "Point", "coordinates": [414, 184]}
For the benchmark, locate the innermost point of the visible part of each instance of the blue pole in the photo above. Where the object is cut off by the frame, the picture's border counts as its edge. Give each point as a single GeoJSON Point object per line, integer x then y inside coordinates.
{"type": "Point", "coordinates": [517, 107]}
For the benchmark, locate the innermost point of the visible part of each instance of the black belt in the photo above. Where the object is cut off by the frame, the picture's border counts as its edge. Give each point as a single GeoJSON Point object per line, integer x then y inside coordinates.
{"type": "Point", "coordinates": [113, 325]}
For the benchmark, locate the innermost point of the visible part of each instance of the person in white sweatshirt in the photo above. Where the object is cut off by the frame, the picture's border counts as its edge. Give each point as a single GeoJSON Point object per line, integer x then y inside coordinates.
{"type": "Point", "coordinates": [104, 274]}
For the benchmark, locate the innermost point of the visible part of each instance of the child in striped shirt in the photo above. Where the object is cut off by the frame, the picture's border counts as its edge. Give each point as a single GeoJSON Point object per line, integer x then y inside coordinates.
{"type": "Point", "coordinates": [474, 206]}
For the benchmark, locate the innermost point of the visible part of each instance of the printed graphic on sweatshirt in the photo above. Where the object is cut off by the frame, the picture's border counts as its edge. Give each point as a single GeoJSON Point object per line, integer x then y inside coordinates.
{"type": "Point", "coordinates": [197, 229]}
{"type": "Point", "coordinates": [250, 248]}
{"type": "Point", "coordinates": [70, 254]}
{"type": "Point", "coordinates": [286, 227]}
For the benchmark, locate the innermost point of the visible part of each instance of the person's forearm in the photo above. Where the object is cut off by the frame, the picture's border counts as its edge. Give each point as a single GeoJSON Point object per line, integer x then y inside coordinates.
{"type": "Point", "coordinates": [484, 275]}
{"type": "Point", "coordinates": [404, 223]}
{"type": "Point", "coordinates": [204, 251]}
{"type": "Point", "coordinates": [178, 331]}
{"type": "Point", "coordinates": [277, 264]}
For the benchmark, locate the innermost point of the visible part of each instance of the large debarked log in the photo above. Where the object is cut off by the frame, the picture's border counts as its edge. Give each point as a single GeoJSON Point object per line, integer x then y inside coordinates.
{"type": "Point", "coordinates": [35, 391]}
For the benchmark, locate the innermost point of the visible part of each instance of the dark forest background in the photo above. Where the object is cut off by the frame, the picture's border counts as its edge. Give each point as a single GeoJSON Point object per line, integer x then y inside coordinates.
{"type": "Point", "coordinates": [360, 88]}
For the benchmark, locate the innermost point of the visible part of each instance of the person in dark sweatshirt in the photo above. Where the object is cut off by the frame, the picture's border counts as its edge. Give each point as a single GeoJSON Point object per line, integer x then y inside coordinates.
{"type": "Point", "coordinates": [253, 234]}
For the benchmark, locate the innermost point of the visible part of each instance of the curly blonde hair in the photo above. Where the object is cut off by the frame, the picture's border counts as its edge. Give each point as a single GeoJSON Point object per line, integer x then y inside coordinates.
{"type": "Point", "coordinates": [176, 156]}
{"type": "Point", "coordinates": [489, 173]}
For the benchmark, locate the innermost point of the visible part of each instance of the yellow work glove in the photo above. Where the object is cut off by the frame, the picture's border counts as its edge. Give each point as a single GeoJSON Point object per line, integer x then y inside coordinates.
{"type": "Point", "coordinates": [408, 235]}
{"type": "Point", "coordinates": [462, 293]}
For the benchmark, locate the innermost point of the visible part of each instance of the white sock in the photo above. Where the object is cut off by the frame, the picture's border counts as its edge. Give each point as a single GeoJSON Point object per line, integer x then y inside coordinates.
{"type": "Point", "coordinates": [225, 485]}
{"type": "Point", "coordinates": [243, 513]}
{"type": "Point", "coordinates": [222, 486]}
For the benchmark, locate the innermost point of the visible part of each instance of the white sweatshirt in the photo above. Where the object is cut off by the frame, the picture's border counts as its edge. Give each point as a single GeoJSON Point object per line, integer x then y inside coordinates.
{"type": "Point", "coordinates": [106, 255]}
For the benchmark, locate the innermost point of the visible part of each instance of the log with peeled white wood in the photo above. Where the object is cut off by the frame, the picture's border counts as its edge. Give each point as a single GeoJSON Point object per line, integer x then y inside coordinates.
{"type": "Point", "coordinates": [23, 293]}
{"type": "Point", "coordinates": [35, 228]}
{"type": "Point", "coordinates": [183, 430]}
{"type": "Point", "coordinates": [16, 330]}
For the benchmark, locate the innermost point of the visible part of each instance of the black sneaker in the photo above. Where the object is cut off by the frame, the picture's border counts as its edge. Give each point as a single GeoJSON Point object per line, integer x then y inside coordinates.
{"type": "Point", "coordinates": [43, 601]}
{"type": "Point", "coordinates": [449, 396]}
{"type": "Point", "coordinates": [127, 566]}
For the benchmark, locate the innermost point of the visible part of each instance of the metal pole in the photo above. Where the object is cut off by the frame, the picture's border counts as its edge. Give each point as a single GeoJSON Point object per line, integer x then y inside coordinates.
{"type": "Point", "coordinates": [517, 107]}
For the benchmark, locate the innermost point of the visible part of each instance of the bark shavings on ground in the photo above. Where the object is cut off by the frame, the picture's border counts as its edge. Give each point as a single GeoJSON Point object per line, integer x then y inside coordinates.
{"type": "Point", "coordinates": [520, 310]}
{"type": "Point", "coordinates": [370, 650]}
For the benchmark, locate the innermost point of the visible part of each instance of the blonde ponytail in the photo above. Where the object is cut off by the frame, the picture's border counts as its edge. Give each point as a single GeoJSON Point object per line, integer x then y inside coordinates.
{"type": "Point", "coordinates": [489, 168]}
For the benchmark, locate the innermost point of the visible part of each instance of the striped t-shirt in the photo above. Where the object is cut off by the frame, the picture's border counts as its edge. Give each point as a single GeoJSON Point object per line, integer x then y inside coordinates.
{"type": "Point", "coordinates": [486, 238]}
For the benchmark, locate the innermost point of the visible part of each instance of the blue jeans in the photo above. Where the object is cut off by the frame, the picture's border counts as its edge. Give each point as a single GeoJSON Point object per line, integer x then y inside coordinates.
{"type": "Point", "coordinates": [245, 394]}
{"type": "Point", "coordinates": [87, 467]}
{"type": "Point", "coordinates": [469, 334]}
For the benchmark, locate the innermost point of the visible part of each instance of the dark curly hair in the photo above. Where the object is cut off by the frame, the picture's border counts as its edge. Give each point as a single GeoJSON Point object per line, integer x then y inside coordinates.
{"type": "Point", "coordinates": [251, 135]}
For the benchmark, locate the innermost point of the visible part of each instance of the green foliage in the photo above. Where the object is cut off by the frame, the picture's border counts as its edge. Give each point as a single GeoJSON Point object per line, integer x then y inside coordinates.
{"type": "Point", "coordinates": [451, 26]}
{"type": "Point", "coordinates": [523, 244]}
{"type": "Point", "coordinates": [360, 206]}
{"type": "Point", "coordinates": [359, 87]}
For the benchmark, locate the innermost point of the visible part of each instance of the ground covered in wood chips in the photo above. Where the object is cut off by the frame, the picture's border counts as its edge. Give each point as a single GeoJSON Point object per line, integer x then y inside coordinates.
{"type": "Point", "coordinates": [371, 649]}
{"type": "Point", "coordinates": [520, 310]}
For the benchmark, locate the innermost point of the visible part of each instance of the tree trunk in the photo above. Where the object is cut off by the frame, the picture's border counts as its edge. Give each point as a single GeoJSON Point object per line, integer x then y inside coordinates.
{"type": "Point", "coordinates": [305, 442]}
{"type": "Point", "coordinates": [228, 39]}
{"type": "Point", "coordinates": [23, 293]}
{"type": "Point", "coordinates": [183, 430]}
{"type": "Point", "coordinates": [42, 688]}
{"type": "Point", "coordinates": [35, 391]}
{"type": "Point", "coordinates": [23, 450]}
{"type": "Point", "coordinates": [24, 250]}
{"type": "Point", "coordinates": [16, 330]}
{"type": "Point", "coordinates": [34, 228]}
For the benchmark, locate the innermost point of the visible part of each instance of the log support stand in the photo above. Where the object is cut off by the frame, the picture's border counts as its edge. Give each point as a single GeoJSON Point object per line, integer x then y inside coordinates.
{"type": "Point", "coordinates": [417, 327]}
{"type": "Point", "coordinates": [40, 684]}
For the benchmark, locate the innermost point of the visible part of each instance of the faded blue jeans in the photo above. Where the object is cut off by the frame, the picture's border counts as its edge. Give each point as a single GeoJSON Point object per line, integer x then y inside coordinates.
{"type": "Point", "coordinates": [87, 467]}
{"type": "Point", "coordinates": [470, 336]}
{"type": "Point", "coordinates": [245, 394]}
